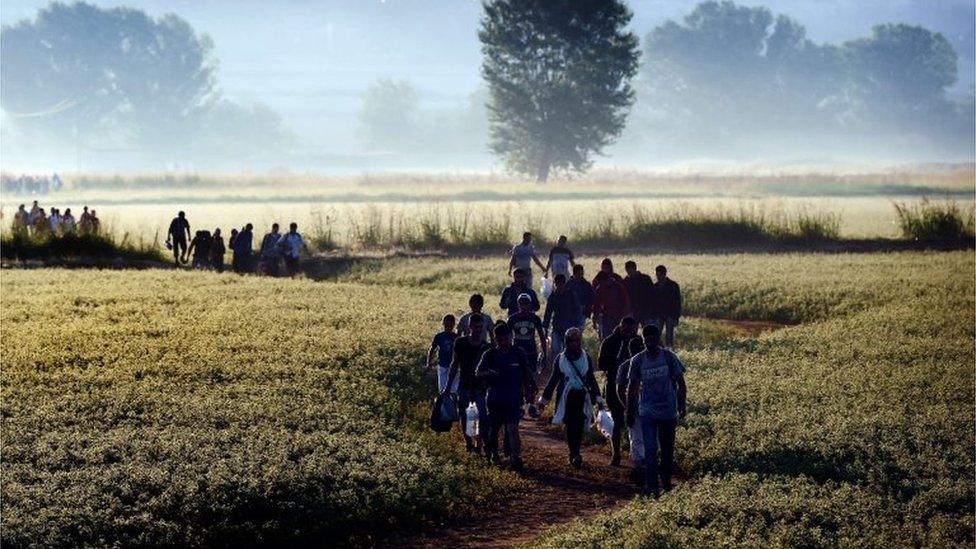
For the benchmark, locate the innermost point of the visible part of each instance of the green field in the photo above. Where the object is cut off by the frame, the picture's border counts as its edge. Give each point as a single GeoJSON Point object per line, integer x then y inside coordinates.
{"type": "Point", "coordinates": [154, 407]}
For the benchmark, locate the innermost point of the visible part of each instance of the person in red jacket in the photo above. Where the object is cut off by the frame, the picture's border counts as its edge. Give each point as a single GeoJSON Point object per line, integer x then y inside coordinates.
{"type": "Point", "coordinates": [610, 300]}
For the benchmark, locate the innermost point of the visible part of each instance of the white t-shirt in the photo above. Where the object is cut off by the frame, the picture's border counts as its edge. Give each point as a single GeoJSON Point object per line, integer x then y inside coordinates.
{"type": "Point", "coordinates": [523, 254]}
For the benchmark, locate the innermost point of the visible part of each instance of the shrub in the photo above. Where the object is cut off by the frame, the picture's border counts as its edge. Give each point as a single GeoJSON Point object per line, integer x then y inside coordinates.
{"type": "Point", "coordinates": [943, 222]}
{"type": "Point", "coordinates": [22, 246]}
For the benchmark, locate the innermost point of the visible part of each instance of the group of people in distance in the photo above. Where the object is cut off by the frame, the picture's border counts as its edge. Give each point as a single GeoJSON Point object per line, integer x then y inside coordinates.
{"type": "Point", "coordinates": [206, 250]}
{"type": "Point", "coordinates": [499, 366]}
{"type": "Point", "coordinates": [38, 222]}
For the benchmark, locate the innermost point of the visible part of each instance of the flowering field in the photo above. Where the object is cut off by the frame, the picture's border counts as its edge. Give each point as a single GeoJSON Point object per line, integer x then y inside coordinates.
{"type": "Point", "coordinates": [158, 407]}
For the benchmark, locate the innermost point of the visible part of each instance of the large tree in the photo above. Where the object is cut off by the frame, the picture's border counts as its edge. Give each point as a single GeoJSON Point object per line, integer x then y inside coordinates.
{"type": "Point", "coordinates": [558, 72]}
{"type": "Point", "coordinates": [115, 75]}
{"type": "Point", "coordinates": [389, 115]}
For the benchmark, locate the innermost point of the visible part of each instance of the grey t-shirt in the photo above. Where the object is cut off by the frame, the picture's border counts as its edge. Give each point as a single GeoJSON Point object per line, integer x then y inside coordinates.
{"type": "Point", "coordinates": [464, 326]}
{"type": "Point", "coordinates": [658, 396]}
{"type": "Point", "coordinates": [523, 254]}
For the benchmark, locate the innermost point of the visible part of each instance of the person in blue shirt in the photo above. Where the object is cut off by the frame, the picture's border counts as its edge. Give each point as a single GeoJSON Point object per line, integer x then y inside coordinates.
{"type": "Point", "coordinates": [504, 369]}
{"type": "Point", "coordinates": [443, 346]}
{"type": "Point", "coordinates": [656, 397]}
{"type": "Point", "coordinates": [583, 290]}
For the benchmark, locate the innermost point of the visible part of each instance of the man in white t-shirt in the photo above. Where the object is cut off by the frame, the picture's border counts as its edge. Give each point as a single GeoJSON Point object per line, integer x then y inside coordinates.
{"type": "Point", "coordinates": [291, 245]}
{"type": "Point", "coordinates": [522, 257]}
{"type": "Point", "coordinates": [561, 260]}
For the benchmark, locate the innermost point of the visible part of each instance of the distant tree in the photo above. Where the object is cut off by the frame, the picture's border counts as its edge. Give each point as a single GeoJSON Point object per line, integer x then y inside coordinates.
{"type": "Point", "coordinates": [112, 73]}
{"type": "Point", "coordinates": [231, 131]}
{"type": "Point", "coordinates": [899, 75]}
{"type": "Point", "coordinates": [389, 115]}
{"type": "Point", "coordinates": [559, 76]}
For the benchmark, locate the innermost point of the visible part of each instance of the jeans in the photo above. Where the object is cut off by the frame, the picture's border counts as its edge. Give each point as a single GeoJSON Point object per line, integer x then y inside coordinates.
{"type": "Point", "coordinates": [658, 433]}
{"type": "Point", "coordinates": [443, 372]}
{"type": "Point", "coordinates": [557, 339]}
{"type": "Point", "coordinates": [667, 324]}
{"type": "Point", "coordinates": [575, 419]}
{"type": "Point", "coordinates": [495, 424]}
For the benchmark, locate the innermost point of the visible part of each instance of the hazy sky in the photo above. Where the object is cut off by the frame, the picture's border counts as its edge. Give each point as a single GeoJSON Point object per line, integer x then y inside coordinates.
{"type": "Point", "coordinates": [311, 60]}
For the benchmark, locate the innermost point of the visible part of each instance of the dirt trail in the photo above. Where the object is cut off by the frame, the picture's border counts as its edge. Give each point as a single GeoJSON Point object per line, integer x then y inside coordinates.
{"type": "Point", "coordinates": [557, 493]}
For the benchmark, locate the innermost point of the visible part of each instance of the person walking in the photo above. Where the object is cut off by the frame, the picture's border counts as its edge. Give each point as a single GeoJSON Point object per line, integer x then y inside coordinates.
{"type": "Point", "coordinates": [55, 221]}
{"type": "Point", "coordinates": [640, 292]}
{"type": "Point", "coordinates": [443, 347]}
{"type": "Point", "coordinates": [572, 378]}
{"type": "Point", "coordinates": [67, 222]}
{"type": "Point", "coordinates": [200, 250]}
{"type": "Point", "coordinates": [468, 351]}
{"type": "Point", "coordinates": [526, 328]}
{"type": "Point", "coordinates": [243, 249]}
{"type": "Point", "coordinates": [616, 350]}
{"type": "Point", "coordinates": [583, 291]}
{"type": "Point", "coordinates": [560, 259]}
{"type": "Point", "coordinates": [96, 225]}
{"type": "Point", "coordinates": [610, 301]}
{"type": "Point", "coordinates": [522, 257]}
{"type": "Point", "coordinates": [21, 220]}
{"type": "Point", "coordinates": [476, 302]}
{"type": "Point", "coordinates": [269, 251]}
{"type": "Point", "coordinates": [505, 370]}
{"type": "Point", "coordinates": [217, 251]}
{"type": "Point", "coordinates": [562, 313]}
{"type": "Point", "coordinates": [509, 300]}
{"type": "Point", "coordinates": [39, 222]}
{"type": "Point", "coordinates": [291, 245]}
{"type": "Point", "coordinates": [667, 297]}
{"type": "Point", "coordinates": [84, 222]}
{"type": "Point", "coordinates": [178, 234]}
{"type": "Point", "coordinates": [656, 377]}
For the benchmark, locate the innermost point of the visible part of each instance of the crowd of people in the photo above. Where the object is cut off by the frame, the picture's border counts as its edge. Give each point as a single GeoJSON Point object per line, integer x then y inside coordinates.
{"type": "Point", "coordinates": [206, 250]}
{"type": "Point", "coordinates": [29, 184]}
{"type": "Point", "coordinates": [499, 366]}
{"type": "Point", "coordinates": [36, 221]}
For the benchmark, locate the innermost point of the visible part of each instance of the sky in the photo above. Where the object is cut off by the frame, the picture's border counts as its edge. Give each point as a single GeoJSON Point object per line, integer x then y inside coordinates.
{"type": "Point", "coordinates": [310, 61]}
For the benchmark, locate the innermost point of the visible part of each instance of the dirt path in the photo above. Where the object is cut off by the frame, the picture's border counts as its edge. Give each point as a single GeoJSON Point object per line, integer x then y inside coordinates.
{"type": "Point", "coordinates": [557, 493]}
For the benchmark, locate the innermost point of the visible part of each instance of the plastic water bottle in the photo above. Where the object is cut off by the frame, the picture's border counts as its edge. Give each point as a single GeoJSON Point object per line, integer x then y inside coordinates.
{"type": "Point", "coordinates": [472, 428]}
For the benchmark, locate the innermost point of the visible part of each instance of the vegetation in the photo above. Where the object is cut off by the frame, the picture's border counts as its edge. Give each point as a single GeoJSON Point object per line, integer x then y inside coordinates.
{"type": "Point", "coordinates": [856, 430]}
{"type": "Point", "coordinates": [559, 76]}
{"type": "Point", "coordinates": [161, 408]}
{"type": "Point", "coordinates": [939, 222]}
{"type": "Point", "coordinates": [105, 245]}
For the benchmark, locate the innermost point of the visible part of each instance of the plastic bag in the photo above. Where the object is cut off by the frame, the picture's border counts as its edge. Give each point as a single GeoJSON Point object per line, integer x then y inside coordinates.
{"type": "Point", "coordinates": [546, 288]}
{"type": "Point", "coordinates": [636, 443]}
{"type": "Point", "coordinates": [604, 423]}
{"type": "Point", "coordinates": [472, 428]}
{"type": "Point", "coordinates": [444, 412]}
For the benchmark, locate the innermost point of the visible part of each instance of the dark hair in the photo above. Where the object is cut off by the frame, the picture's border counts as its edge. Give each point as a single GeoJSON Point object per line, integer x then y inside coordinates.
{"type": "Point", "coordinates": [661, 269]}
{"type": "Point", "coordinates": [650, 331]}
{"type": "Point", "coordinates": [519, 272]}
{"type": "Point", "coordinates": [628, 320]}
{"type": "Point", "coordinates": [181, 214]}
{"type": "Point", "coordinates": [578, 267]}
{"type": "Point", "coordinates": [476, 318]}
{"type": "Point", "coordinates": [630, 264]}
{"type": "Point", "coordinates": [562, 237]}
{"type": "Point", "coordinates": [476, 298]}
{"type": "Point", "coordinates": [274, 226]}
{"type": "Point", "coordinates": [449, 318]}
{"type": "Point", "coordinates": [293, 225]}
{"type": "Point", "coordinates": [526, 233]}
{"type": "Point", "coordinates": [502, 330]}
{"type": "Point", "coordinates": [248, 226]}
{"type": "Point", "coordinates": [559, 278]}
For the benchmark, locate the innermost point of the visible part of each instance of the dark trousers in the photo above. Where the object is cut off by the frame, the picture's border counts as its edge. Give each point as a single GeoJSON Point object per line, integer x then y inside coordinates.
{"type": "Point", "coordinates": [658, 433]}
{"type": "Point", "coordinates": [575, 420]}
{"type": "Point", "coordinates": [291, 265]}
{"type": "Point", "coordinates": [179, 249]}
{"type": "Point", "coordinates": [511, 428]}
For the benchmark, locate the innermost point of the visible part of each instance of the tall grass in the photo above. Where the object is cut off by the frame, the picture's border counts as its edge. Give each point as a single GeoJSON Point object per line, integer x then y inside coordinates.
{"type": "Point", "coordinates": [943, 222]}
{"type": "Point", "coordinates": [20, 245]}
{"type": "Point", "coordinates": [685, 225]}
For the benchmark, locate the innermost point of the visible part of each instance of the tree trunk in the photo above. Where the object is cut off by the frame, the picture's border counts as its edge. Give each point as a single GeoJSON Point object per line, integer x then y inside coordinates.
{"type": "Point", "coordinates": [545, 163]}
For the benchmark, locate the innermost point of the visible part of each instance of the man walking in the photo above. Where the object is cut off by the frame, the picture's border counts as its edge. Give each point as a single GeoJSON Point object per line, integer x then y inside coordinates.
{"type": "Point", "coordinates": [476, 302]}
{"type": "Point", "coordinates": [291, 244]}
{"type": "Point", "coordinates": [468, 350]}
{"type": "Point", "coordinates": [667, 297]}
{"type": "Point", "coordinates": [583, 291]}
{"type": "Point", "coordinates": [510, 295]}
{"type": "Point", "coordinates": [269, 251]}
{"type": "Point", "coordinates": [504, 369]}
{"type": "Point", "coordinates": [243, 248]}
{"type": "Point", "coordinates": [526, 328]}
{"type": "Point", "coordinates": [522, 257]}
{"type": "Point", "coordinates": [178, 235]}
{"type": "Point", "coordinates": [560, 259]}
{"type": "Point", "coordinates": [562, 313]}
{"type": "Point", "coordinates": [656, 377]}
{"type": "Point", "coordinates": [610, 301]}
{"type": "Point", "coordinates": [443, 347]}
{"type": "Point", "coordinates": [615, 351]}
{"type": "Point", "coordinates": [640, 292]}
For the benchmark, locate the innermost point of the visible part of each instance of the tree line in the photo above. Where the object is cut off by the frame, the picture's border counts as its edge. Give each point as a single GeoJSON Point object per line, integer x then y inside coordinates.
{"type": "Point", "coordinates": [564, 80]}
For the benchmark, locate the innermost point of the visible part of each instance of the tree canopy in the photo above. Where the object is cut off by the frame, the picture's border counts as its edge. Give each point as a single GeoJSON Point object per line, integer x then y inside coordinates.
{"type": "Point", "coordinates": [558, 73]}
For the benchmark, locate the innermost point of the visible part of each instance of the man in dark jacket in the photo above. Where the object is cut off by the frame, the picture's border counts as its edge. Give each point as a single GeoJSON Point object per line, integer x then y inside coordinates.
{"type": "Point", "coordinates": [509, 301]}
{"type": "Point", "coordinates": [667, 298]}
{"type": "Point", "coordinates": [640, 290]}
{"type": "Point", "coordinates": [616, 349]}
{"type": "Point", "coordinates": [243, 247]}
{"type": "Point", "coordinates": [562, 313]}
{"type": "Point", "coordinates": [610, 301]}
{"type": "Point", "coordinates": [583, 290]}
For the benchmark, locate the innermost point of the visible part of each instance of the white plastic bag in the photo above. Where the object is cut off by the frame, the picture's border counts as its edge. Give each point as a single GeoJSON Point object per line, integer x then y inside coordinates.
{"type": "Point", "coordinates": [636, 443]}
{"type": "Point", "coordinates": [546, 288]}
{"type": "Point", "coordinates": [472, 428]}
{"type": "Point", "coordinates": [604, 423]}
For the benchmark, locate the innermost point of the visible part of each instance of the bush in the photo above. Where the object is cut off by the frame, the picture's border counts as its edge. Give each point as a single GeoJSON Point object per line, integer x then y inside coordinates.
{"type": "Point", "coordinates": [938, 222]}
{"type": "Point", "coordinates": [22, 246]}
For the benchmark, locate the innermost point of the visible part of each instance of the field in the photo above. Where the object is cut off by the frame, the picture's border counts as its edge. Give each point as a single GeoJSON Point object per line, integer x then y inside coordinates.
{"type": "Point", "coordinates": [160, 407]}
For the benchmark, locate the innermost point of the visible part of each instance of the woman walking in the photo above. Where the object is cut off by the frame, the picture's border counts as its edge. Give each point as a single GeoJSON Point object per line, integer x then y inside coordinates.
{"type": "Point", "coordinates": [578, 390]}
